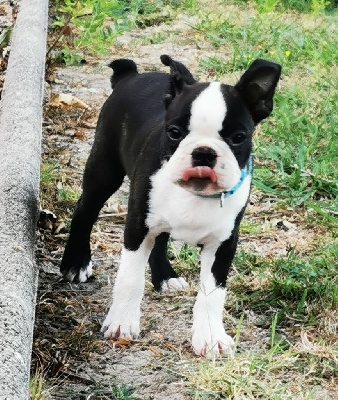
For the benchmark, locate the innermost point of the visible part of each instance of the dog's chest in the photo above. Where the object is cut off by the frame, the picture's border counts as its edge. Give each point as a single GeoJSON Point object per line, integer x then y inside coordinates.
{"type": "Point", "coordinates": [191, 218]}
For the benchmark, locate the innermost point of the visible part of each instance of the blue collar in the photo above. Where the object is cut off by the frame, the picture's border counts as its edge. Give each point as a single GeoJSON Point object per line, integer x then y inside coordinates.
{"type": "Point", "coordinates": [247, 170]}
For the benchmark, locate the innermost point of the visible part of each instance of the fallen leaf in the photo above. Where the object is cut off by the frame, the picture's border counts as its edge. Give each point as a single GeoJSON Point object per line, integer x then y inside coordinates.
{"type": "Point", "coordinates": [67, 101]}
{"type": "Point", "coordinates": [80, 135]}
{"type": "Point", "coordinates": [155, 352]}
{"type": "Point", "coordinates": [122, 342]}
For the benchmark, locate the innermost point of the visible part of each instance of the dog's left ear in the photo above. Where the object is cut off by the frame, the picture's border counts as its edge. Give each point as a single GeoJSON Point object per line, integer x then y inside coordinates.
{"type": "Point", "coordinates": [180, 76]}
{"type": "Point", "coordinates": [257, 87]}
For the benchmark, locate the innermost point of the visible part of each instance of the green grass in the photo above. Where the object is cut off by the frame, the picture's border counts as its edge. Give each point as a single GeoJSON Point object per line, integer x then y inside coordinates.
{"type": "Point", "coordinates": [53, 192]}
{"type": "Point", "coordinates": [271, 374]}
{"type": "Point", "coordinates": [89, 27]}
{"type": "Point", "coordinates": [296, 286]}
{"type": "Point", "coordinates": [300, 141]}
{"type": "Point", "coordinates": [297, 147]}
{"type": "Point", "coordinates": [185, 259]}
{"type": "Point", "coordinates": [304, 6]}
{"type": "Point", "coordinates": [49, 171]}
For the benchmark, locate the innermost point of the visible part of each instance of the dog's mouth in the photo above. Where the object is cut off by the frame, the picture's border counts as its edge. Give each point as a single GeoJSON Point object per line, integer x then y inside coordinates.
{"type": "Point", "coordinates": [201, 180]}
{"type": "Point", "coordinates": [199, 173]}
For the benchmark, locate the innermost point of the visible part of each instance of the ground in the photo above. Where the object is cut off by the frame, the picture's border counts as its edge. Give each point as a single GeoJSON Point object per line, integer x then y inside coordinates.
{"type": "Point", "coordinates": [71, 360]}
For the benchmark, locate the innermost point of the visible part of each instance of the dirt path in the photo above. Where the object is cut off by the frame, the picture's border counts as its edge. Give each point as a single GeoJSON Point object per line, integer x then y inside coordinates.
{"type": "Point", "coordinates": [69, 351]}
{"type": "Point", "coordinates": [68, 344]}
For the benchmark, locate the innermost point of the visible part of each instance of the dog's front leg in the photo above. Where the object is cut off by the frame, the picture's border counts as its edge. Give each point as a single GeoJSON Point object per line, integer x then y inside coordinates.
{"type": "Point", "coordinates": [208, 333]}
{"type": "Point", "coordinates": [123, 319]}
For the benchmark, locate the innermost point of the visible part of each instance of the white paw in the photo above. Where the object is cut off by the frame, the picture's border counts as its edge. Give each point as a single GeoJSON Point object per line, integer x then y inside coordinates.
{"type": "Point", "coordinates": [86, 273]}
{"type": "Point", "coordinates": [121, 324]}
{"type": "Point", "coordinates": [83, 274]}
{"type": "Point", "coordinates": [211, 341]}
{"type": "Point", "coordinates": [174, 285]}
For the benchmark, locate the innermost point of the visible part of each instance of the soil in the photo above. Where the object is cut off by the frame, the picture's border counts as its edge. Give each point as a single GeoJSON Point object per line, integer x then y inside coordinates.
{"type": "Point", "coordinates": [69, 350]}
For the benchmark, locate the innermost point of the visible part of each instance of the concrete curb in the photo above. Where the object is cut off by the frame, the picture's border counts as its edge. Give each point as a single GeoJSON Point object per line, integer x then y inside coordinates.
{"type": "Point", "coordinates": [20, 139]}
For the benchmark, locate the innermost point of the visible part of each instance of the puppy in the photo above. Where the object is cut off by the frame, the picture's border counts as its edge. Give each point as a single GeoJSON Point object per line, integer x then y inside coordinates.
{"type": "Point", "coordinates": [187, 149]}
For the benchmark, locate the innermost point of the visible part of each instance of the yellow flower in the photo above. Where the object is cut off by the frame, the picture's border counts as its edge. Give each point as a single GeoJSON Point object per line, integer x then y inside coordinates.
{"type": "Point", "coordinates": [272, 52]}
{"type": "Point", "coordinates": [287, 53]}
{"type": "Point", "coordinates": [197, 36]}
{"type": "Point", "coordinates": [249, 56]}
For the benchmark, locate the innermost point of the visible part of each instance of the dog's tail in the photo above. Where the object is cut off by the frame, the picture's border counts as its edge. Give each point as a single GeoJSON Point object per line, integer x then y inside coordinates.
{"type": "Point", "coordinates": [121, 68]}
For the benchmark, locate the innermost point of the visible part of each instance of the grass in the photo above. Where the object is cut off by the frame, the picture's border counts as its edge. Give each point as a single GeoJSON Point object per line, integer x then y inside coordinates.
{"type": "Point", "coordinates": [185, 259]}
{"type": "Point", "coordinates": [84, 27]}
{"type": "Point", "coordinates": [97, 390]}
{"type": "Point", "coordinates": [281, 372]}
{"type": "Point", "coordinates": [295, 285]}
{"type": "Point", "coordinates": [37, 390]}
{"type": "Point", "coordinates": [55, 193]}
{"type": "Point", "coordinates": [296, 148]}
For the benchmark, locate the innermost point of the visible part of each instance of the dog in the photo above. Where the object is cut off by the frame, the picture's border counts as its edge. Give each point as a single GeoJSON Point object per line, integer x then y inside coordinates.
{"type": "Point", "coordinates": [187, 148]}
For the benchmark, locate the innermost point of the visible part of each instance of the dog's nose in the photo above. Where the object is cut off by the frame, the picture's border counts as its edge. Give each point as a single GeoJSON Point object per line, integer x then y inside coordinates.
{"type": "Point", "coordinates": [204, 156]}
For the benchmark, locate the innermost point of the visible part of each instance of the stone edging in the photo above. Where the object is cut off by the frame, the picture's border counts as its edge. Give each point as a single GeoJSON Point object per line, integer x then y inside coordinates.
{"type": "Point", "coordinates": [20, 139]}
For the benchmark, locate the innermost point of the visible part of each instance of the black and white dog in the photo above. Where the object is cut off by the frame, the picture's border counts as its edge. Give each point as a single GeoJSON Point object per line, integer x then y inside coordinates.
{"type": "Point", "coordinates": [187, 148]}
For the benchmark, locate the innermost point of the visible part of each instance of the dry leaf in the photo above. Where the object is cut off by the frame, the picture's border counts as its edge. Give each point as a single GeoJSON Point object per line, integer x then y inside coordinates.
{"type": "Point", "coordinates": [155, 352]}
{"type": "Point", "coordinates": [79, 134]}
{"type": "Point", "coordinates": [121, 342]}
{"type": "Point", "coordinates": [67, 101]}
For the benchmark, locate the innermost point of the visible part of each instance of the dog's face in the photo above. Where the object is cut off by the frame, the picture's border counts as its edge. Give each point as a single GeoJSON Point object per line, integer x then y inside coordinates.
{"type": "Point", "coordinates": [209, 126]}
{"type": "Point", "coordinates": [209, 132]}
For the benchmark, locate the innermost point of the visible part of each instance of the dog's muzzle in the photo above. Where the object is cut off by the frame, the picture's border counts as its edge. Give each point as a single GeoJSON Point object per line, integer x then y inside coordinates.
{"type": "Point", "coordinates": [204, 157]}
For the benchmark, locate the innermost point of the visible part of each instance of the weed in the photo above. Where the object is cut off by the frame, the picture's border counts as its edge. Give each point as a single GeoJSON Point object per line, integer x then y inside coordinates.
{"type": "Point", "coordinates": [300, 137]}
{"type": "Point", "coordinates": [53, 192]}
{"type": "Point", "coordinates": [90, 26]}
{"type": "Point", "coordinates": [37, 389]}
{"type": "Point", "coordinates": [49, 176]}
{"type": "Point", "coordinates": [319, 6]}
{"type": "Point", "coordinates": [287, 282]}
{"type": "Point", "coordinates": [49, 171]}
{"type": "Point", "coordinates": [84, 21]}
{"type": "Point", "coordinates": [185, 259]}
{"type": "Point", "coordinates": [265, 6]}
{"type": "Point", "coordinates": [155, 38]}
{"type": "Point", "coordinates": [300, 140]}
{"type": "Point", "coordinates": [257, 375]}
{"type": "Point", "coordinates": [67, 196]}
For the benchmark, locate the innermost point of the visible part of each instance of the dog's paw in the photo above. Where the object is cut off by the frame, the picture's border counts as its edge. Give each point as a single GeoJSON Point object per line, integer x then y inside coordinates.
{"type": "Point", "coordinates": [121, 324]}
{"type": "Point", "coordinates": [174, 285]}
{"type": "Point", "coordinates": [77, 276]}
{"type": "Point", "coordinates": [212, 341]}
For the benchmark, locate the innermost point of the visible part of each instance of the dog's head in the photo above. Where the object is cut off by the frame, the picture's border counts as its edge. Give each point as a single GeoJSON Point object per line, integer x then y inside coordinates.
{"type": "Point", "coordinates": [209, 126]}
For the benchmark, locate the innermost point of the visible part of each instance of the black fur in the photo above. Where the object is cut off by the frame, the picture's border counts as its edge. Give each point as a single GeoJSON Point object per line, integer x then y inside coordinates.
{"type": "Point", "coordinates": [132, 139]}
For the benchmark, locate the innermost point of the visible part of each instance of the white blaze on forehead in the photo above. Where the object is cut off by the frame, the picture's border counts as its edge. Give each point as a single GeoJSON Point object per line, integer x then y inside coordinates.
{"type": "Point", "coordinates": [208, 111]}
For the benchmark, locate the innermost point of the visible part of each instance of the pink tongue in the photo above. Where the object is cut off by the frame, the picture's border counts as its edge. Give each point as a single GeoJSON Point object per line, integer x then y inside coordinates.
{"type": "Point", "coordinates": [199, 172]}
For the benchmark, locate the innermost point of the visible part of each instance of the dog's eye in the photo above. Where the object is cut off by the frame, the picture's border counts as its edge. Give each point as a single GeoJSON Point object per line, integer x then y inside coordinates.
{"type": "Point", "coordinates": [174, 133]}
{"type": "Point", "coordinates": [238, 138]}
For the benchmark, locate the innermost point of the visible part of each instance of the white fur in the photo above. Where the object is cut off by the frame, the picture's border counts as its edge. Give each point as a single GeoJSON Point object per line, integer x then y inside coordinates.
{"type": "Point", "coordinates": [174, 285]}
{"type": "Point", "coordinates": [124, 313]}
{"type": "Point", "coordinates": [208, 334]}
{"type": "Point", "coordinates": [186, 215]}
{"type": "Point", "coordinates": [191, 218]}
{"type": "Point", "coordinates": [86, 273]}
{"type": "Point", "coordinates": [207, 114]}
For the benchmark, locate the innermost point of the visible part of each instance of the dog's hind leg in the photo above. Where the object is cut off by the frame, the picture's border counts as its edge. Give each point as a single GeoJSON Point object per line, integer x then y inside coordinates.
{"type": "Point", "coordinates": [103, 176]}
{"type": "Point", "coordinates": [163, 277]}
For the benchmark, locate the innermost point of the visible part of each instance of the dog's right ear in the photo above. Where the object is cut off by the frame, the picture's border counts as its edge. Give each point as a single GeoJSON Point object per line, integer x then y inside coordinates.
{"type": "Point", "coordinates": [180, 76]}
